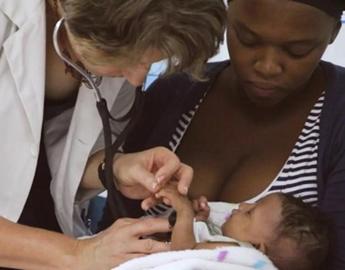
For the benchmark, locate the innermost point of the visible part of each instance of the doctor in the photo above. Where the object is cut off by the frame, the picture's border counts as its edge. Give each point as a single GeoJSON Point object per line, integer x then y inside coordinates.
{"type": "Point", "coordinates": [51, 129]}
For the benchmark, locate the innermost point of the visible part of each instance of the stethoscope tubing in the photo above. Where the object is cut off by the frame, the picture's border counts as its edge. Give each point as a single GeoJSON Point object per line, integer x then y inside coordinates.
{"type": "Point", "coordinates": [114, 199]}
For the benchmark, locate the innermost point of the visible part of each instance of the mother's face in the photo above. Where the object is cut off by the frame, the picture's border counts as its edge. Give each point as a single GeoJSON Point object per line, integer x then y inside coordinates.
{"type": "Point", "coordinates": [275, 46]}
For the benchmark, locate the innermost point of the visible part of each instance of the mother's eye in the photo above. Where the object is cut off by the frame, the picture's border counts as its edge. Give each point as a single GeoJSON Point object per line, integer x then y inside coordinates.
{"type": "Point", "coordinates": [299, 52]}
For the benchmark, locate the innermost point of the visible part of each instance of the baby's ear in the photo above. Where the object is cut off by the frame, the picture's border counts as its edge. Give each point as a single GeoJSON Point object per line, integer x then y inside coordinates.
{"type": "Point", "coordinates": [261, 246]}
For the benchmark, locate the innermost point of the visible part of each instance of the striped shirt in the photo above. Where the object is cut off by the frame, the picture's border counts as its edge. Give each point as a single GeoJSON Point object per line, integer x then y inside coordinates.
{"type": "Point", "coordinates": [298, 176]}
{"type": "Point", "coordinates": [299, 173]}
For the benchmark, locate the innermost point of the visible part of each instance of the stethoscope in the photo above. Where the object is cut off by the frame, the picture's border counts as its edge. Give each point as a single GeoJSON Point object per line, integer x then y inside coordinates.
{"type": "Point", "coordinates": [92, 82]}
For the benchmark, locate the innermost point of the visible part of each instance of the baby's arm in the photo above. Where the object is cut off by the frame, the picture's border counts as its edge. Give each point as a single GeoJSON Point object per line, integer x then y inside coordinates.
{"type": "Point", "coordinates": [214, 245]}
{"type": "Point", "coordinates": [182, 236]}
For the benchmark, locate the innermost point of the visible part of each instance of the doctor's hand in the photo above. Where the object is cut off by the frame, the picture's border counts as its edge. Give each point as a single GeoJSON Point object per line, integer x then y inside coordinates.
{"type": "Point", "coordinates": [120, 242]}
{"type": "Point", "coordinates": [142, 174]}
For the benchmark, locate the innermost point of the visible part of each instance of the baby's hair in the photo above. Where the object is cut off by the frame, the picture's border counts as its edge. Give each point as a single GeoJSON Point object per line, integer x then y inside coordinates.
{"type": "Point", "coordinates": [305, 231]}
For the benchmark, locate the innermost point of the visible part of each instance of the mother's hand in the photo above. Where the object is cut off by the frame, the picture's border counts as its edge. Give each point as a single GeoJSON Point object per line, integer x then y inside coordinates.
{"type": "Point", "coordinates": [121, 242]}
{"type": "Point", "coordinates": [141, 174]}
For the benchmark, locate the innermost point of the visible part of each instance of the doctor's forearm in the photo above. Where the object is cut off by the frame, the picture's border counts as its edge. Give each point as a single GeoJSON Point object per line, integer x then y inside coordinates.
{"type": "Point", "coordinates": [25, 247]}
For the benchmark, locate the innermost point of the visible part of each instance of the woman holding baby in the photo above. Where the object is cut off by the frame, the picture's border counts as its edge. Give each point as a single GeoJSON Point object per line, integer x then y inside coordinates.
{"type": "Point", "coordinates": [270, 119]}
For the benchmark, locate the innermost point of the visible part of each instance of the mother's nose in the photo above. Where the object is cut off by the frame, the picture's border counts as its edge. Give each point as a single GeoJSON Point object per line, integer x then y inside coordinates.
{"type": "Point", "coordinates": [269, 63]}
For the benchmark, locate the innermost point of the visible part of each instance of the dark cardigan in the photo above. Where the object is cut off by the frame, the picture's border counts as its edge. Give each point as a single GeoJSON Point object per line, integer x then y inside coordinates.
{"type": "Point", "coordinates": [168, 99]}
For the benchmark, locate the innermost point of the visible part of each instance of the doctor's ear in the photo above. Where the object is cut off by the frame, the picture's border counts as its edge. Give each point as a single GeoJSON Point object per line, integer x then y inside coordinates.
{"type": "Point", "coordinates": [335, 32]}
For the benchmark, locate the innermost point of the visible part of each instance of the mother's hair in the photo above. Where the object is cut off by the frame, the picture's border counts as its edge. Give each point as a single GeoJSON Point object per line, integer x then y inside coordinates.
{"type": "Point", "coordinates": [187, 32]}
{"type": "Point", "coordinates": [335, 9]}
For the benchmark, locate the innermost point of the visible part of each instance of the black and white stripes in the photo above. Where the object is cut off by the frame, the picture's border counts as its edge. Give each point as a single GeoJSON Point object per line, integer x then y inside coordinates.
{"type": "Point", "coordinates": [299, 173]}
{"type": "Point", "coordinates": [181, 128]}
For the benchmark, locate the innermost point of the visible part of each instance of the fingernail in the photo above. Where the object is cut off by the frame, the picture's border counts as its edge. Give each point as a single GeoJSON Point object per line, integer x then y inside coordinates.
{"type": "Point", "coordinates": [160, 178]}
{"type": "Point", "coordinates": [145, 206]}
{"type": "Point", "coordinates": [154, 185]}
{"type": "Point", "coordinates": [203, 205]}
{"type": "Point", "coordinates": [185, 190]}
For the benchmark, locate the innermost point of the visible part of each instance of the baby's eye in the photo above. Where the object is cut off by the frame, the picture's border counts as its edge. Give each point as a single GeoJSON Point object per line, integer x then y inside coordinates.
{"type": "Point", "coordinates": [251, 211]}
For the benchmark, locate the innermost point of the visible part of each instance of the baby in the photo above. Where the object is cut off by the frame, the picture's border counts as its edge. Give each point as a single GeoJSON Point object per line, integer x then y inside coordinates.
{"type": "Point", "coordinates": [292, 234]}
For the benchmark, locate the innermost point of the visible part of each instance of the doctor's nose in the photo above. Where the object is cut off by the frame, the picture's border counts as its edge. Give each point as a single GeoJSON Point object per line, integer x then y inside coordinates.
{"type": "Point", "coordinates": [136, 76]}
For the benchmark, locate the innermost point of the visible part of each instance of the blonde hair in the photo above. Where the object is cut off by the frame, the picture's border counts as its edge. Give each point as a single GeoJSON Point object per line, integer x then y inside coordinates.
{"type": "Point", "coordinates": [187, 32]}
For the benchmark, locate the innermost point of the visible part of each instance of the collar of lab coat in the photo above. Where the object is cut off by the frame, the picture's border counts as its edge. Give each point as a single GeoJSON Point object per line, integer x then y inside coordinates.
{"type": "Point", "coordinates": [25, 51]}
{"type": "Point", "coordinates": [21, 11]}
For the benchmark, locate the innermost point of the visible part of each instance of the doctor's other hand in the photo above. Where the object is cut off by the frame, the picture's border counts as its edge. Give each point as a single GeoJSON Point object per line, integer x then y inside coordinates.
{"type": "Point", "coordinates": [122, 241]}
{"type": "Point", "coordinates": [143, 173]}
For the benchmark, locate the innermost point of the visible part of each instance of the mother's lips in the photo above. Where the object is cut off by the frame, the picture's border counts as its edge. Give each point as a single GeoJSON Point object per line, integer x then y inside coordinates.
{"type": "Point", "coordinates": [264, 85]}
{"type": "Point", "coordinates": [262, 90]}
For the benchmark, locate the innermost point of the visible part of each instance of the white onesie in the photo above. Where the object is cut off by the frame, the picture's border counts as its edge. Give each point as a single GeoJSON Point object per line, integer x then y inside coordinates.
{"type": "Point", "coordinates": [211, 231]}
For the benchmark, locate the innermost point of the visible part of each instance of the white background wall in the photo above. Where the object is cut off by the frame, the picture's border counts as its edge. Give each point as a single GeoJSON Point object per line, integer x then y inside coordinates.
{"type": "Point", "coordinates": [335, 53]}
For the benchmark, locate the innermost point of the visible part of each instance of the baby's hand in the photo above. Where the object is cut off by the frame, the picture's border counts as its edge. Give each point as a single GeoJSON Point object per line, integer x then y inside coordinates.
{"type": "Point", "coordinates": [170, 196]}
{"type": "Point", "coordinates": [201, 208]}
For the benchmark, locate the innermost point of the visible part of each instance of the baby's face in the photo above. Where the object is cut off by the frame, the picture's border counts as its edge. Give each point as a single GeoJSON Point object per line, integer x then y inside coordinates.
{"type": "Point", "coordinates": [254, 223]}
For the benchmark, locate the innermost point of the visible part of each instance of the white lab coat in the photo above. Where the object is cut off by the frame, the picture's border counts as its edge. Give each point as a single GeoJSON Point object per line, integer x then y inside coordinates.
{"type": "Point", "coordinates": [69, 138]}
